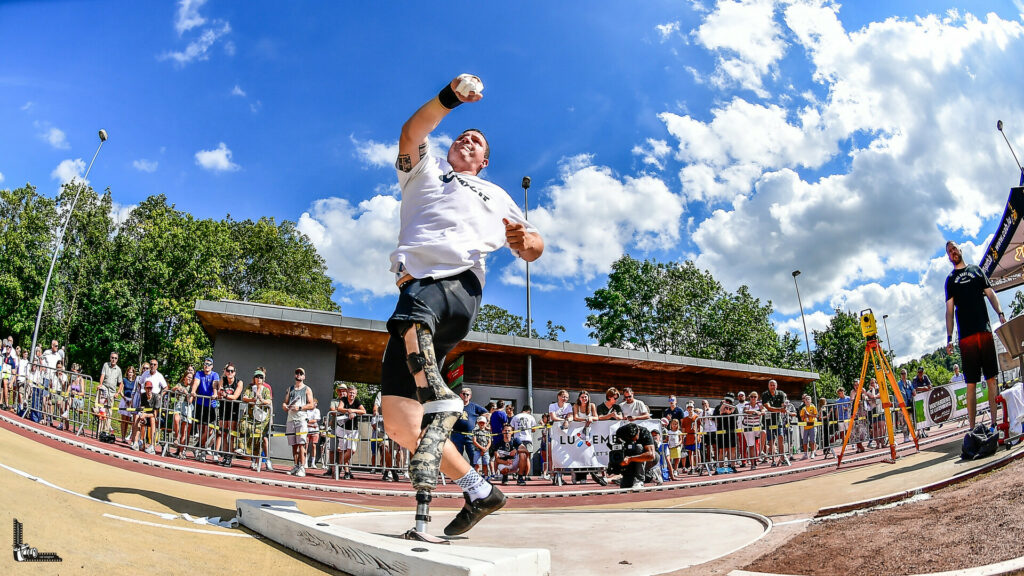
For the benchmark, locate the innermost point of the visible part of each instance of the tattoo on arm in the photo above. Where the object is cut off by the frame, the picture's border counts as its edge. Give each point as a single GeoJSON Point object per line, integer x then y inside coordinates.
{"type": "Point", "coordinates": [423, 151]}
{"type": "Point", "coordinates": [404, 163]}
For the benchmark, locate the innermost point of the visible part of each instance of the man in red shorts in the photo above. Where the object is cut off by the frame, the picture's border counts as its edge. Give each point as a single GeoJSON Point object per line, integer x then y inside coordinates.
{"type": "Point", "coordinates": [966, 290]}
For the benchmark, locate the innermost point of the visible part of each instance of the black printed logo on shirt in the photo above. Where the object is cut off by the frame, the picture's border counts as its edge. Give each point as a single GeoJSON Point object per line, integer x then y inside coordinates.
{"type": "Point", "coordinates": [453, 175]}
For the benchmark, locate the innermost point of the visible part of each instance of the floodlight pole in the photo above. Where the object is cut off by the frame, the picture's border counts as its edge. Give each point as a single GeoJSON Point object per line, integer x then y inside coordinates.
{"type": "Point", "coordinates": [529, 316]}
{"type": "Point", "coordinates": [887, 340]}
{"type": "Point", "coordinates": [807, 339]}
{"type": "Point", "coordinates": [56, 248]}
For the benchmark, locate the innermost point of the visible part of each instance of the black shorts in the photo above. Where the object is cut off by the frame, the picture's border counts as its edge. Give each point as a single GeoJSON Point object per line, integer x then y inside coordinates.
{"type": "Point", "coordinates": [228, 411]}
{"type": "Point", "coordinates": [205, 414]}
{"type": "Point", "coordinates": [446, 306]}
{"type": "Point", "coordinates": [978, 354]}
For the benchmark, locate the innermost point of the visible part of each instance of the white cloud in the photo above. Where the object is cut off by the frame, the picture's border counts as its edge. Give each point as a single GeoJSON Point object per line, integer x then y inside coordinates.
{"type": "Point", "coordinates": [355, 241]}
{"type": "Point", "coordinates": [747, 39]}
{"type": "Point", "coordinates": [188, 15]}
{"type": "Point", "coordinates": [198, 48]}
{"type": "Point", "coordinates": [667, 29]}
{"type": "Point", "coordinates": [1, 176]}
{"type": "Point", "coordinates": [652, 152]}
{"type": "Point", "coordinates": [237, 91]}
{"type": "Point", "coordinates": [383, 154]}
{"type": "Point", "coordinates": [897, 154]}
{"type": "Point", "coordinates": [69, 170]}
{"type": "Point", "coordinates": [144, 165]}
{"type": "Point", "coordinates": [217, 160]}
{"type": "Point", "coordinates": [120, 212]}
{"type": "Point", "coordinates": [27, 106]}
{"type": "Point", "coordinates": [53, 136]}
{"type": "Point", "coordinates": [256, 106]}
{"type": "Point", "coordinates": [592, 215]}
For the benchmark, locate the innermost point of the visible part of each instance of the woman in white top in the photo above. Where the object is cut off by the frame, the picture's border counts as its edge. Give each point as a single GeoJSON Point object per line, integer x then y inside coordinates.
{"type": "Point", "coordinates": [753, 426]}
{"type": "Point", "coordinates": [561, 410]}
{"type": "Point", "coordinates": [584, 410]}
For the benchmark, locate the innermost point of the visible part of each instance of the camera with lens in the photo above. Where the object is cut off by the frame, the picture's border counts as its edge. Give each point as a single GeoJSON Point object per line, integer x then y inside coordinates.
{"type": "Point", "coordinates": [616, 455]}
{"type": "Point", "coordinates": [623, 444]}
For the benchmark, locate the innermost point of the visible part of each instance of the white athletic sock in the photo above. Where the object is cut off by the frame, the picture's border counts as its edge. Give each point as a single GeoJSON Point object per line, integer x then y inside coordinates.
{"type": "Point", "coordinates": [474, 485]}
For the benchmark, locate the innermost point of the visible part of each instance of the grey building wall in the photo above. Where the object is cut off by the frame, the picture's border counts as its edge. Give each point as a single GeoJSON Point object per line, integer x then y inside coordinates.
{"type": "Point", "coordinates": [280, 357]}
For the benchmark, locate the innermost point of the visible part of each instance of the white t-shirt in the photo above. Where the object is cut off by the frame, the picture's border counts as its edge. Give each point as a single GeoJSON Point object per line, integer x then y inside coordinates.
{"type": "Point", "coordinates": [50, 359]}
{"type": "Point", "coordinates": [450, 221]}
{"type": "Point", "coordinates": [159, 383]}
{"type": "Point", "coordinates": [564, 412]}
{"type": "Point", "coordinates": [523, 424]}
{"type": "Point", "coordinates": [637, 408]}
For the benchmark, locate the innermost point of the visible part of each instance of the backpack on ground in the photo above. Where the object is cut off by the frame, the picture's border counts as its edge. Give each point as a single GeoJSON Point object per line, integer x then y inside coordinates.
{"type": "Point", "coordinates": [979, 443]}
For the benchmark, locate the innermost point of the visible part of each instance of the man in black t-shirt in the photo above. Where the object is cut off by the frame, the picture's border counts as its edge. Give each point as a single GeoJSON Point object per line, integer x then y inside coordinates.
{"type": "Point", "coordinates": [966, 290]}
{"type": "Point", "coordinates": [610, 409]}
{"type": "Point", "coordinates": [508, 457]}
{"type": "Point", "coordinates": [640, 456]}
{"type": "Point", "coordinates": [777, 404]}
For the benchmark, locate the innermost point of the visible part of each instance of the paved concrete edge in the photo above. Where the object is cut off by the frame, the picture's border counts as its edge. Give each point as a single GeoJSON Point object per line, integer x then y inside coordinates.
{"type": "Point", "coordinates": [718, 481]}
{"type": "Point", "coordinates": [903, 495]}
{"type": "Point", "coordinates": [366, 554]}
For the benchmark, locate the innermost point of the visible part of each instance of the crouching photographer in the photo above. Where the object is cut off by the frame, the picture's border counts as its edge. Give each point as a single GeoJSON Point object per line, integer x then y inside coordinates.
{"type": "Point", "coordinates": [632, 454]}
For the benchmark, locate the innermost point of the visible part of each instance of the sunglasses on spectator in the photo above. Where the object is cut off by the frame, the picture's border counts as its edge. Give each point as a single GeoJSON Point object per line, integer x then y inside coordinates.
{"type": "Point", "coordinates": [230, 370]}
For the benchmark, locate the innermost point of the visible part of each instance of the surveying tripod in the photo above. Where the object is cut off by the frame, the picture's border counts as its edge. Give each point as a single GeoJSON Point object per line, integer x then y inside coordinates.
{"type": "Point", "coordinates": [883, 373]}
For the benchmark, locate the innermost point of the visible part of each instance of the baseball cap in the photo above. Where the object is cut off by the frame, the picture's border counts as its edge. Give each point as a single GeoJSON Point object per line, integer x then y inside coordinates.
{"type": "Point", "coordinates": [482, 419]}
{"type": "Point", "coordinates": [149, 384]}
{"type": "Point", "coordinates": [300, 371]}
{"type": "Point", "coordinates": [259, 373]}
{"type": "Point", "coordinates": [208, 361]}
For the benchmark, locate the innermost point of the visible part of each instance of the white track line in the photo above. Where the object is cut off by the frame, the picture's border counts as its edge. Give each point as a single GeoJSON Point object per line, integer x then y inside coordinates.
{"type": "Point", "coordinates": [163, 515]}
{"type": "Point", "coordinates": [180, 528]}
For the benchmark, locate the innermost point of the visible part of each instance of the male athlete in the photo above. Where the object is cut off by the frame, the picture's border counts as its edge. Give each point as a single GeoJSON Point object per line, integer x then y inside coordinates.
{"type": "Point", "coordinates": [451, 219]}
{"type": "Point", "coordinates": [966, 290]}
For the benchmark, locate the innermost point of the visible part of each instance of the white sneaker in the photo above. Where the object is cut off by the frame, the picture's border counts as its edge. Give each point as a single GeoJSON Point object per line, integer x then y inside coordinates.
{"type": "Point", "coordinates": [270, 466]}
{"type": "Point", "coordinates": [293, 470]}
{"type": "Point", "coordinates": [255, 466]}
{"type": "Point", "coordinates": [300, 472]}
{"type": "Point", "coordinates": [638, 486]}
{"type": "Point", "coordinates": [150, 450]}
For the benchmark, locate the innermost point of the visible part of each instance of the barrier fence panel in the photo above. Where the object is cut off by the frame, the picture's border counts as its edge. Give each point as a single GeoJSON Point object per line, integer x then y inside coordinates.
{"type": "Point", "coordinates": [210, 428]}
{"type": "Point", "coordinates": [64, 399]}
{"type": "Point", "coordinates": [360, 443]}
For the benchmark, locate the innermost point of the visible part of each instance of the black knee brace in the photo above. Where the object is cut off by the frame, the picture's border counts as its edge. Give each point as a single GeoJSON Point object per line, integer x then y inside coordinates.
{"type": "Point", "coordinates": [416, 362]}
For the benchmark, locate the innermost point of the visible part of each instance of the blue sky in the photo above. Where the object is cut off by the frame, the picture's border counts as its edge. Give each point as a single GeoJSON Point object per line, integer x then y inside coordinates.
{"type": "Point", "coordinates": [755, 137]}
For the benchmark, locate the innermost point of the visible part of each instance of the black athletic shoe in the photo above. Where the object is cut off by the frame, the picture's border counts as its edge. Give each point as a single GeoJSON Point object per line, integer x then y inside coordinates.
{"type": "Point", "coordinates": [598, 478]}
{"type": "Point", "coordinates": [474, 511]}
{"type": "Point", "coordinates": [394, 474]}
{"type": "Point", "coordinates": [348, 476]}
{"type": "Point", "coordinates": [504, 479]}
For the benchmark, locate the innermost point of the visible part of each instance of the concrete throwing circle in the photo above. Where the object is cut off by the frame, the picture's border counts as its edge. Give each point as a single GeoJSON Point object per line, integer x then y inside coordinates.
{"type": "Point", "coordinates": [624, 542]}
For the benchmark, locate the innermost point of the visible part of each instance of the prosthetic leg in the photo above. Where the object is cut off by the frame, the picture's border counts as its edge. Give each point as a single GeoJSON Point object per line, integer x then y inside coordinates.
{"type": "Point", "coordinates": [441, 409]}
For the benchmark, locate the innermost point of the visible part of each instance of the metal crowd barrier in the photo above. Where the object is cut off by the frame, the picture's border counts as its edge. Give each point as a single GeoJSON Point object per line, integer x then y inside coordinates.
{"type": "Point", "coordinates": [214, 429]}
{"type": "Point", "coordinates": [61, 398]}
{"type": "Point", "coordinates": [360, 443]}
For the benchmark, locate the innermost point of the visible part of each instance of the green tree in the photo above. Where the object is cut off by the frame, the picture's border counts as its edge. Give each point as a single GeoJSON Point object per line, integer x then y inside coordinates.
{"type": "Point", "coordinates": [679, 309]}
{"type": "Point", "coordinates": [497, 320]}
{"type": "Point", "coordinates": [132, 287]}
{"type": "Point", "coordinates": [27, 233]}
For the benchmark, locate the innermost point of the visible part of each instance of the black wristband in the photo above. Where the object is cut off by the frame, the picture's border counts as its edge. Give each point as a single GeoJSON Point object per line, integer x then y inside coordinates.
{"type": "Point", "coordinates": [448, 98]}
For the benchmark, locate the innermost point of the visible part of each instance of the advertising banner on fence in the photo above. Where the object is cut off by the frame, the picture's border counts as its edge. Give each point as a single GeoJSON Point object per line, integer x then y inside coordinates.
{"type": "Point", "coordinates": [946, 403]}
{"type": "Point", "coordinates": [579, 447]}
